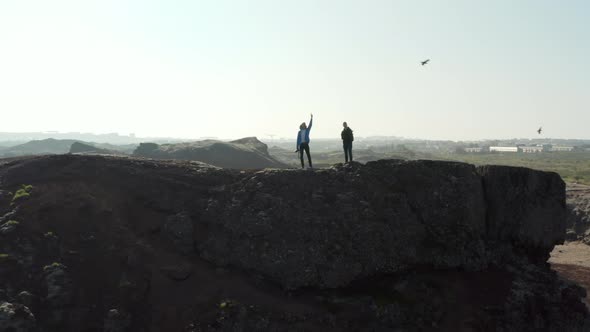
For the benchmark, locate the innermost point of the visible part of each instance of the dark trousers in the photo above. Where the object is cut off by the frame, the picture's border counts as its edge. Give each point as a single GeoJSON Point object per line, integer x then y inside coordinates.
{"type": "Point", "coordinates": [347, 151]}
{"type": "Point", "coordinates": [304, 146]}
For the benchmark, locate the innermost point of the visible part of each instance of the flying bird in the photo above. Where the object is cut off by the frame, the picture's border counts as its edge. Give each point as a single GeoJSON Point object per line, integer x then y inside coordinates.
{"type": "Point", "coordinates": [425, 62]}
{"type": "Point", "coordinates": [540, 130]}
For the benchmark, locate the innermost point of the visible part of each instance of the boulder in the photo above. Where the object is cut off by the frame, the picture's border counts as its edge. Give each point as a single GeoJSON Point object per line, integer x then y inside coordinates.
{"type": "Point", "coordinates": [16, 318]}
{"type": "Point", "coordinates": [525, 207]}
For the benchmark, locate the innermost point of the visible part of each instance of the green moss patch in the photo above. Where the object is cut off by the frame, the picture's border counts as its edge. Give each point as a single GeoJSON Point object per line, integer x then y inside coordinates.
{"type": "Point", "coordinates": [23, 192]}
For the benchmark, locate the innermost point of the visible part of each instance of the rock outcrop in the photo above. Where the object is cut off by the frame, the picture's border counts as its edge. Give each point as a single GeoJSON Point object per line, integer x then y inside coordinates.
{"type": "Point", "coordinates": [122, 244]}
{"type": "Point", "coordinates": [245, 153]}
{"type": "Point", "coordinates": [578, 219]}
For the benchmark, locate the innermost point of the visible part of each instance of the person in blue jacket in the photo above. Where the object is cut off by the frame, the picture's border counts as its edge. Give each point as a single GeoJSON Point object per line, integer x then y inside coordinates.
{"type": "Point", "coordinates": [303, 142]}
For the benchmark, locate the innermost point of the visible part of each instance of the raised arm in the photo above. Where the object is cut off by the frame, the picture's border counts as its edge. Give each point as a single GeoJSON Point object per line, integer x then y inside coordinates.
{"type": "Point", "coordinates": [310, 122]}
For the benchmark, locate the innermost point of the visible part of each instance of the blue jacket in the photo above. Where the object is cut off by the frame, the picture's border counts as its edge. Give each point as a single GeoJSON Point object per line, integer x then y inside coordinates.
{"type": "Point", "coordinates": [306, 134]}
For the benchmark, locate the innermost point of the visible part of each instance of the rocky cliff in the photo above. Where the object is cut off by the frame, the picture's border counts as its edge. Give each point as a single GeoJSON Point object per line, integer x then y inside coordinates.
{"type": "Point", "coordinates": [578, 219]}
{"type": "Point", "coordinates": [94, 243]}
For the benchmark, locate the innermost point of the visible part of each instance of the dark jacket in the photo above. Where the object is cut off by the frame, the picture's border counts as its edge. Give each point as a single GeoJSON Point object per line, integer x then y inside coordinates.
{"type": "Point", "coordinates": [347, 135]}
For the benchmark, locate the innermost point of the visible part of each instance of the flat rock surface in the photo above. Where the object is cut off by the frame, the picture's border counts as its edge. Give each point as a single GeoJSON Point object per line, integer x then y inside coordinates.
{"type": "Point", "coordinates": [573, 253]}
{"type": "Point", "coordinates": [572, 262]}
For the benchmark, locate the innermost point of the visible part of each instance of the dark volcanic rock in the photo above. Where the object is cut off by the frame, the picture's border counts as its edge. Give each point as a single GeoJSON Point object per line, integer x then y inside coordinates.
{"type": "Point", "coordinates": [177, 272]}
{"type": "Point", "coordinates": [245, 153]}
{"type": "Point", "coordinates": [117, 321]}
{"type": "Point", "coordinates": [578, 217]}
{"type": "Point", "coordinates": [16, 317]}
{"type": "Point", "coordinates": [179, 229]}
{"type": "Point", "coordinates": [524, 206]}
{"type": "Point", "coordinates": [390, 245]}
{"type": "Point", "coordinates": [328, 228]}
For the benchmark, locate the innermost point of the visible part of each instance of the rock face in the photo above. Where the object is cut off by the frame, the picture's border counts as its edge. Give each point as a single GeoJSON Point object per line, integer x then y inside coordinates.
{"type": "Point", "coordinates": [245, 153]}
{"type": "Point", "coordinates": [121, 244]}
{"type": "Point", "coordinates": [524, 207]}
{"type": "Point", "coordinates": [578, 219]}
{"type": "Point", "coordinates": [16, 317]}
{"type": "Point", "coordinates": [328, 228]}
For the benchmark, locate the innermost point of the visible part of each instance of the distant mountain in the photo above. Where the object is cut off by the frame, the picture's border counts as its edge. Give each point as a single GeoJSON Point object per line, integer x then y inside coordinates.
{"type": "Point", "coordinates": [245, 153]}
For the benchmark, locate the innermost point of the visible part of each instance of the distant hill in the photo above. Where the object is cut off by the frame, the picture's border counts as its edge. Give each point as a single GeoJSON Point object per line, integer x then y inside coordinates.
{"type": "Point", "coordinates": [78, 147]}
{"type": "Point", "coordinates": [46, 146]}
{"type": "Point", "coordinates": [245, 153]}
{"type": "Point", "coordinates": [61, 146]}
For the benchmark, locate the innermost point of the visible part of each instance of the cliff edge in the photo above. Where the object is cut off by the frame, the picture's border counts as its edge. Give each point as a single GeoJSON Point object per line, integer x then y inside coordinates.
{"type": "Point", "coordinates": [101, 243]}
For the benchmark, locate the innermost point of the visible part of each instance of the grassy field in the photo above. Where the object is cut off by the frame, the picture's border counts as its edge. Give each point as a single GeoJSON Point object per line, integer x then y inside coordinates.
{"type": "Point", "coordinates": [572, 166]}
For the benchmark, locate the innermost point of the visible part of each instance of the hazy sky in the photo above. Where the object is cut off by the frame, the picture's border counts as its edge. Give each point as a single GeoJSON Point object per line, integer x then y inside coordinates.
{"type": "Point", "coordinates": [499, 68]}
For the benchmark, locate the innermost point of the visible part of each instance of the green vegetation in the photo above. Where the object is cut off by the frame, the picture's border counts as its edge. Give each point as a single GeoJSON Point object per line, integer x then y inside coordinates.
{"type": "Point", "coordinates": [571, 166]}
{"type": "Point", "coordinates": [23, 192]}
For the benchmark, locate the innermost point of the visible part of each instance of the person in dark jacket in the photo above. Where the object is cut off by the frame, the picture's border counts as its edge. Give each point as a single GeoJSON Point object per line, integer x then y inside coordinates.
{"type": "Point", "coordinates": [303, 142]}
{"type": "Point", "coordinates": [347, 138]}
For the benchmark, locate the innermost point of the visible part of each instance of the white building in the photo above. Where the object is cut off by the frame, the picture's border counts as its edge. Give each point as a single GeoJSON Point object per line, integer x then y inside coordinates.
{"type": "Point", "coordinates": [562, 148]}
{"type": "Point", "coordinates": [473, 150]}
{"type": "Point", "coordinates": [532, 149]}
{"type": "Point", "coordinates": [503, 149]}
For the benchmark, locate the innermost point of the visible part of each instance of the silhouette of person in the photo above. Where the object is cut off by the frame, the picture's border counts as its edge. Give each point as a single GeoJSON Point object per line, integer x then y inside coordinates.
{"type": "Point", "coordinates": [347, 138]}
{"type": "Point", "coordinates": [303, 142]}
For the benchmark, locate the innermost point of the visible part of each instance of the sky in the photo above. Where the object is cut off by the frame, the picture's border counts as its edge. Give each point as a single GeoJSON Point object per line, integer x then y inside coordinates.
{"type": "Point", "coordinates": [230, 69]}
